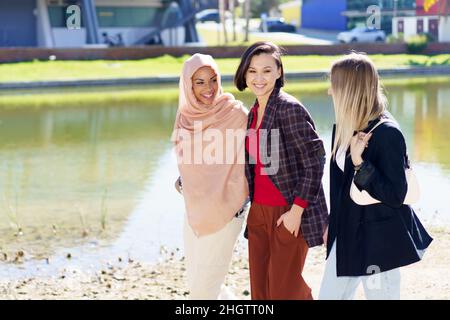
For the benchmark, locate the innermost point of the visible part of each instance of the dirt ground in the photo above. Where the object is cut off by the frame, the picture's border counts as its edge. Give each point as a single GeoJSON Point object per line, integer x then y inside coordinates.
{"type": "Point", "coordinates": [428, 279]}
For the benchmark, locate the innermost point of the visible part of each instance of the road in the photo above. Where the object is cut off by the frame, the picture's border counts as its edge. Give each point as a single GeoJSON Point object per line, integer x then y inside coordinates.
{"type": "Point", "coordinates": [304, 36]}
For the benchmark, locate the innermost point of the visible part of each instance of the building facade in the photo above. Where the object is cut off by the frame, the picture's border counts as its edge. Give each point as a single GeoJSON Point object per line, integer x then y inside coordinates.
{"type": "Point", "coordinates": [324, 14]}
{"type": "Point", "coordinates": [53, 23]}
{"type": "Point", "coordinates": [346, 14]}
{"type": "Point", "coordinates": [291, 12]}
{"type": "Point", "coordinates": [433, 20]}
{"type": "Point", "coordinates": [357, 12]}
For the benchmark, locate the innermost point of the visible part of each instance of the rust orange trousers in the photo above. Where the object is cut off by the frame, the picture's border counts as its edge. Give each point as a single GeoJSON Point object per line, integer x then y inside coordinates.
{"type": "Point", "coordinates": [276, 257]}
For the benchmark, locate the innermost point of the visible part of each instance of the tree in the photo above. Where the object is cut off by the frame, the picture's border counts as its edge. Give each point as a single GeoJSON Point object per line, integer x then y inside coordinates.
{"type": "Point", "coordinates": [247, 9]}
{"type": "Point", "coordinates": [223, 20]}
{"type": "Point", "coordinates": [264, 6]}
{"type": "Point", "coordinates": [231, 4]}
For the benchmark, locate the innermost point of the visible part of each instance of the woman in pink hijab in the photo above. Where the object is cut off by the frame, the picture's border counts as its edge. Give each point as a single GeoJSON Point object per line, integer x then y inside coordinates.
{"type": "Point", "coordinates": [209, 136]}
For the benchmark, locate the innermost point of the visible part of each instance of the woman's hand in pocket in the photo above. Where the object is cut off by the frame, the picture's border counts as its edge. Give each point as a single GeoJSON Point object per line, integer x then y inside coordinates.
{"type": "Point", "coordinates": [292, 219]}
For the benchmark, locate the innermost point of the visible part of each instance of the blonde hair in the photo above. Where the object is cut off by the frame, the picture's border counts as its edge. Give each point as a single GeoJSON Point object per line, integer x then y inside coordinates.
{"type": "Point", "coordinates": [357, 96]}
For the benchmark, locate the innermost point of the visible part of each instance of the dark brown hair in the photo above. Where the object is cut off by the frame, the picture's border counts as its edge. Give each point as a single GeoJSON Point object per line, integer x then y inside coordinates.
{"type": "Point", "coordinates": [255, 50]}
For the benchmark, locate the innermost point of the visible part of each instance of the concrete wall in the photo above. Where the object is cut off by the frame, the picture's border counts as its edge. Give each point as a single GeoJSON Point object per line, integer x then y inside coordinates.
{"type": "Point", "coordinates": [444, 29]}
{"type": "Point", "coordinates": [65, 38]}
{"type": "Point", "coordinates": [410, 26]}
{"type": "Point", "coordinates": [133, 53]}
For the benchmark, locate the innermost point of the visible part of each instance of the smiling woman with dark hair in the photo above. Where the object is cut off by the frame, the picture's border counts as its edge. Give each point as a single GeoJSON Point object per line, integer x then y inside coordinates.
{"type": "Point", "coordinates": [288, 212]}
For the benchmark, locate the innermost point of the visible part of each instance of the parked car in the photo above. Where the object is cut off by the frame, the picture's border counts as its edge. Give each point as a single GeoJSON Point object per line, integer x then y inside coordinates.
{"type": "Point", "coordinates": [277, 25]}
{"type": "Point", "coordinates": [211, 15]}
{"type": "Point", "coordinates": [362, 34]}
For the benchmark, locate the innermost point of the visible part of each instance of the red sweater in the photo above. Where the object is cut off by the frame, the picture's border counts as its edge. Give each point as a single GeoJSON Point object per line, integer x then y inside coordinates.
{"type": "Point", "coordinates": [266, 193]}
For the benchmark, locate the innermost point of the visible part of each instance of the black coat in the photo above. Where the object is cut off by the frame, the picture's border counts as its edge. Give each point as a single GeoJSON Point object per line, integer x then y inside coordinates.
{"type": "Point", "coordinates": [381, 236]}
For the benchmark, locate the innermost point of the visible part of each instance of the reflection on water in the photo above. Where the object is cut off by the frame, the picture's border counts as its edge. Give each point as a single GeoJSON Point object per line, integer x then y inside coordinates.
{"type": "Point", "coordinates": [424, 116]}
{"type": "Point", "coordinates": [154, 223]}
{"type": "Point", "coordinates": [57, 166]}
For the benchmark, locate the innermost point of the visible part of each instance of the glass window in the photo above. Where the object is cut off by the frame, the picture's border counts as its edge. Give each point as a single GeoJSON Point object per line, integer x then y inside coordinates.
{"type": "Point", "coordinates": [361, 5]}
{"type": "Point", "coordinates": [109, 16]}
{"type": "Point", "coordinates": [127, 17]}
{"type": "Point", "coordinates": [58, 16]}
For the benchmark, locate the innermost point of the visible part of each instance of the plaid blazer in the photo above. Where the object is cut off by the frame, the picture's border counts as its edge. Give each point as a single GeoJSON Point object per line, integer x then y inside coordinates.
{"type": "Point", "coordinates": [300, 160]}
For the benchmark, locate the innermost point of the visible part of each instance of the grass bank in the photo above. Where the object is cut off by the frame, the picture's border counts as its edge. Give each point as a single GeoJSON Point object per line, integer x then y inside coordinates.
{"type": "Point", "coordinates": [152, 96]}
{"type": "Point", "coordinates": [171, 66]}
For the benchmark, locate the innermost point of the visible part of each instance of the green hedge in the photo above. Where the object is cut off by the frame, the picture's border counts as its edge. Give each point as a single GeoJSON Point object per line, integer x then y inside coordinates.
{"type": "Point", "coordinates": [417, 44]}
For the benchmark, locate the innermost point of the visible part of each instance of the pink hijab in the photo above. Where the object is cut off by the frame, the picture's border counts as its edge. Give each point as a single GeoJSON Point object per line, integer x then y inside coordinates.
{"type": "Point", "coordinates": [213, 190]}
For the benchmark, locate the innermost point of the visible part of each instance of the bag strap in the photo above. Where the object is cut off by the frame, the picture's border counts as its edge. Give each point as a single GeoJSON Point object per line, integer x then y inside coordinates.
{"type": "Point", "coordinates": [389, 120]}
{"type": "Point", "coordinates": [379, 123]}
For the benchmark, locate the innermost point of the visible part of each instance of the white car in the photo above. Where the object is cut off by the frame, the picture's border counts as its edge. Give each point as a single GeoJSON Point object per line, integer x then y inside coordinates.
{"type": "Point", "coordinates": [211, 15]}
{"type": "Point", "coordinates": [362, 34]}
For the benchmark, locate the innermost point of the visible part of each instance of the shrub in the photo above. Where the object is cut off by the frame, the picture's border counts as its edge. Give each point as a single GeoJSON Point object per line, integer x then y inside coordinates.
{"type": "Point", "coordinates": [430, 37]}
{"type": "Point", "coordinates": [417, 44]}
{"type": "Point", "coordinates": [399, 38]}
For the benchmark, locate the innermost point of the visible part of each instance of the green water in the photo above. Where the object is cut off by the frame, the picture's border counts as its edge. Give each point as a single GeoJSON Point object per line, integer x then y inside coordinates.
{"type": "Point", "coordinates": [70, 175]}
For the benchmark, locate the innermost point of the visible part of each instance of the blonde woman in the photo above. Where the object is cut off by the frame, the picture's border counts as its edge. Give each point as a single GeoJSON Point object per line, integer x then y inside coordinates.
{"type": "Point", "coordinates": [367, 243]}
{"type": "Point", "coordinates": [214, 188]}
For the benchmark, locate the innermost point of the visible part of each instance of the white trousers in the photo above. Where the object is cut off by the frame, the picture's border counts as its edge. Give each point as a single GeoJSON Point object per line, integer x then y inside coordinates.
{"type": "Point", "coordinates": [208, 259]}
{"type": "Point", "coordinates": [379, 286]}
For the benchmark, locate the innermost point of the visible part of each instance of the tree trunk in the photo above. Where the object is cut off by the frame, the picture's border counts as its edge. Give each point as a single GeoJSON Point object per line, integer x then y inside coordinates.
{"type": "Point", "coordinates": [223, 20]}
{"type": "Point", "coordinates": [247, 18]}
{"type": "Point", "coordinates": [232, 9]}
